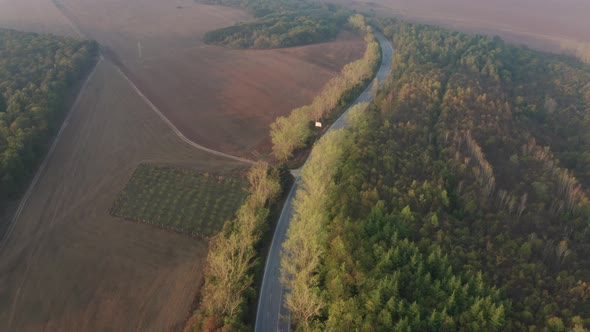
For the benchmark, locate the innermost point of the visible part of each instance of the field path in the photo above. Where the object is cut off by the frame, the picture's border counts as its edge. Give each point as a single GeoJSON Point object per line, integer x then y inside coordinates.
{"type": "Point", "coordinates": [69, 265]}
{"type": "Point", "coordinates": [41, 169]}
{"type": "Point", "coordinates": [271, 314]}
{"type": "Point", "coordinates": [154, 108]}
{"type": "Point", "coordinates": [173, 127]}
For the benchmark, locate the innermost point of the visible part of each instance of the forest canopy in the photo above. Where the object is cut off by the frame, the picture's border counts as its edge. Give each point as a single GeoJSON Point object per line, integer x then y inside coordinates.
{"type": "Point", "coordinates": [459, 201]}
{"type": "Point", "coordinates": [36, 74]}
{"type": "Point", "coordinates": [278, 30]}
{"type": "Point", "coordinates": [279, 24]}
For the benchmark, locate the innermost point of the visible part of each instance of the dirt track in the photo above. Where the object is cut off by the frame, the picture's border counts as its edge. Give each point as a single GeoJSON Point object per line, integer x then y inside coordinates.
{"type": "Point", "coordinates": [220, 98]}
{"type": "Point", "coordinates": [69, 265]}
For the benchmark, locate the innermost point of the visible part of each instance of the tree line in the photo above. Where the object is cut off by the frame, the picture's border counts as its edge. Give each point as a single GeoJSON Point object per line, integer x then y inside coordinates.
{"type": "Point", "coordinates": [365, 274]}
{"type": "Point", "coordinates": [295, 130]}
{"type": "Point", "coordinates": [279, 24]}
{"type": "Point", "coordinates": [306, 240]}
{"type": "Point", "coordinates": [233, 257]}
{"type": "Point", "coordinates": [458, 201]}
{"type": "Point", "coordinates": [36, 74]}
{"type": "Point", "coordinates": [279, 30]}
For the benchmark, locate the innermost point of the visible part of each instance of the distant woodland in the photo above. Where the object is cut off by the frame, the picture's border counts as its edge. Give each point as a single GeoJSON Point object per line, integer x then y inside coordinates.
{"type": "Point", "coordinates": [458, 201]}
{"type": "Point", "coordinates": [279, 24]}
{"type": "Point", "coordinates": [36, 74]}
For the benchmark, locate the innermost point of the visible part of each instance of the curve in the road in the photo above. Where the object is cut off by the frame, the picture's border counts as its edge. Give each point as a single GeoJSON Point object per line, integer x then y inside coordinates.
{"type": "Point", "coordinates": [271, 314]}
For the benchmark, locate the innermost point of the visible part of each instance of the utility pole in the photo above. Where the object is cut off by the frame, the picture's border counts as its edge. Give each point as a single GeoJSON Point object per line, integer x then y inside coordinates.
{"type": "Point", "coordinates": [139, 50]}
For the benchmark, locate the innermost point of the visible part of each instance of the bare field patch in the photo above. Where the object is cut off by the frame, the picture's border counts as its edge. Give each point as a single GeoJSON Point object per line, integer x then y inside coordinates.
{"type": "Point", "coordinates": [222, 98]}
{"type": "Point", "coordinates": [180, 199]}
{"type": "Point", "coordinates": [69, 265]}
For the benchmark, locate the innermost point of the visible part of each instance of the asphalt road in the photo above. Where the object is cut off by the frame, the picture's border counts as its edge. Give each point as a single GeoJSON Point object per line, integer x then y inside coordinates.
{"type": "Point", "coordinates": [271, 314]}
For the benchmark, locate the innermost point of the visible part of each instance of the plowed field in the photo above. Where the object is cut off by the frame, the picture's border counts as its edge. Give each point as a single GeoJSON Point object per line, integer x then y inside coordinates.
{"type": "Point", "coordinates": [221, 98]}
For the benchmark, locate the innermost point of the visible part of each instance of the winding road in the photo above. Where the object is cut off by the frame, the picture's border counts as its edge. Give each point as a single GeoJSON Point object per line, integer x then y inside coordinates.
{"type": "Point", "coordinates": [271, 314]}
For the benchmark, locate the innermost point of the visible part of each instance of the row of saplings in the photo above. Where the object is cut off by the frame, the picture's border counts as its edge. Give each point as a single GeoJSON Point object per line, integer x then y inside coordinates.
{"type": "Point", "coordinates": [233, 257]}
{"type": "Point", "coordinates": [293, 132]}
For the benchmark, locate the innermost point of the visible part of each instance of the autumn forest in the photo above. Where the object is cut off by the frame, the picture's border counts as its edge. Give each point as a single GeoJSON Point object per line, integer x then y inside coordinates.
{"type": "Point", "coordinates": [459, 201]}
{"type": "Point", "coordinates": [37, 72]}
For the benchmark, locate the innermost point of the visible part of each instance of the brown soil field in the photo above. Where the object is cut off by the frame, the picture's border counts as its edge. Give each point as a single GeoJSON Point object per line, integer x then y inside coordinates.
{"type": "Point", "coordinates": [543, 24]}
{"type": "Point", "coordinates": [69, 265]}
{"type": "Point", "coordinates": [39, 16]}
{"type": "Point", "coordinates": [221, 98]}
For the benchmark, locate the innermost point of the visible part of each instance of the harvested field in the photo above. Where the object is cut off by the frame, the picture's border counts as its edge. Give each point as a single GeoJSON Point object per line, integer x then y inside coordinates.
{"type": "Point", "coordinates": [180, 199]}
{"type": "Point", "coordinates": [221, 98]}
{"type": "Point", "coordinates": [544, 24]}
{"type": "Point", "coordinates": [69, 265]}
